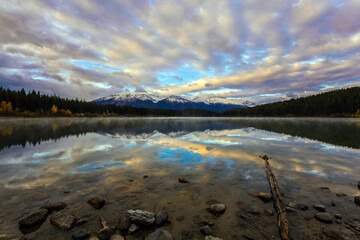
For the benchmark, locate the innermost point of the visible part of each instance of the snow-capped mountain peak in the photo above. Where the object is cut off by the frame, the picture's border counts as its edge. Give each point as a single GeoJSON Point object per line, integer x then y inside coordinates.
{"type": "Point", "coordinates": [177, 99]}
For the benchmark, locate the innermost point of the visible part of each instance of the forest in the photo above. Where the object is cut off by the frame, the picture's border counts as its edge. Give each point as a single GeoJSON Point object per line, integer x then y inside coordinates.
{"type": "Point", "coordinates": [33, 104]}
{"type": "Point", "coordinates": [336, 103]}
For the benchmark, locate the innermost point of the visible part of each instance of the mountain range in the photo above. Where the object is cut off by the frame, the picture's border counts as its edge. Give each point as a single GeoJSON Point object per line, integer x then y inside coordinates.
{"type": "Point", "coordinates": [145, 100]}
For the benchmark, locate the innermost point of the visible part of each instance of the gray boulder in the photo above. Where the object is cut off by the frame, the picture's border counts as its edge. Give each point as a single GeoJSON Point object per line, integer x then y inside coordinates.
{"type": "Point", "coordinates": [159, 234]}
{"type": "Point", "coordinates": [63, 220]}
{"type": "Point", "coordinates": [141, 217]}
{"type": "Point", "coordinates": [34, 218]}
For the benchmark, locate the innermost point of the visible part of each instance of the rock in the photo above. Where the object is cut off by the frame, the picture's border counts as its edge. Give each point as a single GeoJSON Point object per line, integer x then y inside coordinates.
{"type": "Point", "coordinates": [338, 221]}
{"type": "Point", "coordinates": [53, 206]}
{"type": "Point", "coordinates": [67, 191]}
{"type": "Point", "coordinates": [93, 238]}
{"type": "Point", "coordinates": [180, 218]}
{"type": "Point", "coordinates": [133, 228]}
{"type": "Point", "coordinates": [131, 237]}
{"type": "Point", "coordinates": [96, 202]}
{"type": "Point", "coordinates": [333, 203]}
{"type": "Point", "coordinates": [161, 218]}
{"type": "Point", "coordinates": [341, 195]}
{"type": "Point", "coordinates": [324, 217]}
{"type": "Point", "coordinates": [325, 188]}
{"type": "Point", "coordinates": [308, 216]}
{"type": "Point", "coordinates": [265, 197]}
{"type": "Point", "coordinates": [357, 200]}
{"type": "Point", "coordinates": [217, 209]}
{"type": "Point", "coordinates": [81, 222]}
{"type": "Point", "coordinates": [303, 207]}
{"type": "Point", "coordinates": [141, 217]}
{"type": "Point", "coordinates": [254, 211]}
{"type": "Point", "coordinates": [212, 201]}
{"type": "Point", "coordinates": [125, 223]}
{"type": "Point", "coordinates": [34, 218]}
{"type": "Point", "coordinates": [11, 237]}
{"type": "Point", "coordinates": [209, 237]}
{"type": "Point", "coordinates": [159, 234]}
{"type": "Point", "coordinates": [358, 184]}
{"type": "Point", "coordinates": [135, 203]}
{"type": "Point", "coordinates": [183, 180]}
{"type": "Point", "coordinates": [319, 207]}
{"type": "Point", "coordinates": [80, 234]}
{"type": "Point", "coordinates": [290, 209]}
{"type": "Point", "coordinates": [116, 237]}
{"type": "Point", "coordinates": [63, 220]}
{"type": "Point", "coordinates": [103, 222]}
{"type": "Point", "coordinates": [208, 222]}
{"type": "Point", "coordinates": [105, 233]}
{"type": "Point", "coordinates": [205, 230]}
{"type": "Point", "coordinates": [269, 212]}
{"type": "Point", "coordinates": [145, 176]}
{"type": "Point", "coordinates": [240, 214]}
{"type": "Point", "coordinates": [292, 205]}
{"type": "Point", "coordinates": [338, 216]}
{"type": "Point", "coordinates": [332, 233]}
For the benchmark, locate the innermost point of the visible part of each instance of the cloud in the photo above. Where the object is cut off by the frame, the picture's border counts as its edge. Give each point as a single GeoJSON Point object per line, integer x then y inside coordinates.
{"type": "Point", "coordinates": [254, 49]}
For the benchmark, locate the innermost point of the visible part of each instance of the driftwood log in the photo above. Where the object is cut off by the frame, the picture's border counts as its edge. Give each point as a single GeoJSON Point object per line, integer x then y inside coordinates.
{"type": "Point", "coordinates": [278, 202]}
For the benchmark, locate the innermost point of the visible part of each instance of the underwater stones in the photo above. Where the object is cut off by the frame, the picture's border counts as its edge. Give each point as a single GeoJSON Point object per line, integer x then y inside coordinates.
{"type": "Point", "coordinates": [269, 212]}
{"type": "Point", "coordinates": [265, 197]}
{"type": "Point", "coordinates": [125, 223]}
{"type": "Point", "coordinates": [341, 195]}
{"type": "Point", "coordinates": [324, 217]}
{"type": "Point", "coordinates": [209, 237]}
{"type": "Point", "coordinates": [217, 209]}
{"type": "Point", "coordinates": [96, 202]}
{"type": "Point", "coordinates": [358, 185]}
{"type": "Point", "coordinates": [53, 206]}
{"type": "Point", "coordinates": [254, 211]}
{"type": "Point", "coordinates": [302, 207]}
{"type": "Point", "coordinates": [104, 233]}
{"type": "Point", "coordinates": [319, 207]}
{"type": "Point", "coordinates": [357, 200]}
{"type": "Point", "coordinates": [182, 180]}
{"type": "Point", "coordinates": [205, 230]}
{"type": "Point", "coordinates": [180, 218]}
{"type": "Point", "coordinates": [338, 216]}
{"type": "Point", "coordinates": [11, 237]}
{"type": "Point", "coordinates": [116, 237]}
{"type": "Point", "coordinates": [290, 209]}
{"type": "Point", "coordinates": [63, 220]}
{"type": "Point", "coordinates": [161, 218]}
{"type": "Point", "coordinates": [159, 234]}
{"type": "Point", "coordinates": [141, 217]}
{"type": "Point", "coordinates": [80, 234]}
{"type": "Point", "coordinates": [34, 218]}
{"type": "Point", "coordinates": [133, 228]}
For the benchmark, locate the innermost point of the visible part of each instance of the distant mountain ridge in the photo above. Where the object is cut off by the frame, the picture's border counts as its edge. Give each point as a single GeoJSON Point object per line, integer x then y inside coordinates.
{"type": "Point", "coordinates": [145, 100]}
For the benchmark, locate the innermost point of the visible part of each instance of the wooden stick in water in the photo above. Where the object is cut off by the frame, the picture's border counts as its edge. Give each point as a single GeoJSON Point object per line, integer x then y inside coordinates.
{"type": "Point", "coordinates": [278, 202]}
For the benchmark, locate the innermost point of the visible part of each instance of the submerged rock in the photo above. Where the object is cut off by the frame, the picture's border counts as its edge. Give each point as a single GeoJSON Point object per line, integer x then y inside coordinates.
{"type": "Point", "coordinates": [182, 180]}
{"type": "Point", "coordinates": [303, 207]}
{"type": "Point", "coordinates": [265, 197]}
{"type": "Point", "coordinates": [338, 216]}
{"type": "Point", "coordinates": [34, 218]}
{"type": "Point", "coordinates": [125, 223]}
{"type": "Point", "coordinates": [105, 233]}
{"type": "Point", "coordinates": [217, 209]}
{"type": "Point", "coordinates": [336, 234]}
{"type": "Point", "coordinates": [205, 230]}
{"type": "Point", "coordinates": [53, 206]}
{"type": "Point", "coordinates": [290, 209]}
{"type": "Point", "coordinates": [11, 237]}
{"type": "Point", "coordinates": [254, 211]}
{"type": "Point", "coordinates": [159, 234]}
{"type": "Point", "coordinates": [269, 212]}
{"type": "Point", "coordinates": [180, 218]}
{"type": "Point", "coordinates": [359, 185]}
{"type": "Point", "coordinates": [116, 237]}
{"type": "Point", "coordinates": [96, 202]}
{"type": "Point", "coordinates": [209, 237]}
{"type": "Point", "coordinates": [357, 200]}
{"type": "Point", "coordinates": [324, 217]}
{"type": "Point", "coordinates": [80, 234]}
{"type": "Point", "coordinates": [341, 195]}
{"type": "Point", "coordinates": [81, 221]}
{"type": "Point", "coordinates": [133, 228]}
{"type": "Point", "coordinates": [161, 218]}
{"type": "Point", "coordinates": [141, 217]}
{"type": "Point", "coordinates": [319, 207]}
{"type": "Point", "coordinates": [63, 220]}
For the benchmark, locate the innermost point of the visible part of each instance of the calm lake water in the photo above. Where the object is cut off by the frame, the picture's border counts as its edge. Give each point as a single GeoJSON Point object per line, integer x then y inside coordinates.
{"type": "Point", "coordinates": [73, 160]}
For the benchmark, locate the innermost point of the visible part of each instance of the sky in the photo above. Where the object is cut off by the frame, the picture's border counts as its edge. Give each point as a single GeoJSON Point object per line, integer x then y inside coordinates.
{"type": "Point", "coordinates": [256, 50]}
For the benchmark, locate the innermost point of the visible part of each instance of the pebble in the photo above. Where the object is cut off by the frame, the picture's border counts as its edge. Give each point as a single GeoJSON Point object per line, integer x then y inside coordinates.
{"type": "Point", "coordinates": [135, 202]}
{"type": "Point", "coordinates": [338, 216]}
{"type": "Point", "coordinates": [161, 218]}
{"type": "Point", "coordinates": [96, 202]}
{"type": "Point", "coordinates": [333, 203]}
{"type": "Point", "coordinates": [141, 217]}
{"type": "Point", "coordinates": [205, 230]}
{"type": "Point", "coordinates": [265, 197]}
{"type": "Point", "coordinates": [324, 217]}
{"type": "Point", "coordinates": [359, 185]}
{"type": "Point", "coordinates": [217, 209]}
{"type": "Point", "coordinates": [145, 176]}
{"type": "Point", "coordinates": [308, 216]}
{"type": "Point", "coordinates": [332, 233]}
{"type": "Point", "coordinates": [357, 200]}
{"type": "Point", "coordinates": [269, 212]}
{"type": "Point", "coordinates": [159, 234]}
{"type": "Point", "coordinates": [325, 188]}
{"type": "Point", "coordinates": [11, 237]}
{"type": "Point", "coordinates": [182, 180]}
{"type": "Point", "coordinates": [303, 207]}
{"type": "Point", "coordinates": [180, 218]}
{"type": "Point", "coordinates": [125, 223]}
{"type": "Point", "coordinates": [116, 237]}
{"type": "Point", "coordinates": [290, 209]}
{"type": "Point", "coordinates": [133, 228]}
{"type": "Point", "coordinates": [319, 207]}
{"type": "Point", "coordinates": [208, 222]}
{"type": "Point", "coordinates": [341, 195]}
{"type": "Point", "coordinates": [80, 234]}
{"type": "Point", "coordinates": [34, 218]}
{"type": "Point", "coordinates": [81, 222]}
{"type": "Point", "coordinates": [63, 220]}
{"type": "Point", "coordinates": [254, 211]}
{"type": "Point", "coordinates": [209, 237]}
{"type": "Point", "coordinates": [292, 205]}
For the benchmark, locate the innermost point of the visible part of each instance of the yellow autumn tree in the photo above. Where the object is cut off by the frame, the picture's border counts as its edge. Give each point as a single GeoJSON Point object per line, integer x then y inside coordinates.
{"type": "Point", "coordinates": [6, 107]}
{"type": "Point", "coordinates": [54, 109]}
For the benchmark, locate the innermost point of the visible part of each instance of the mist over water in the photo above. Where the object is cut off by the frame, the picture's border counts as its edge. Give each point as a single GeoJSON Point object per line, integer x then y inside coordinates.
{"type": "Point", "coordinates": [219, 156]}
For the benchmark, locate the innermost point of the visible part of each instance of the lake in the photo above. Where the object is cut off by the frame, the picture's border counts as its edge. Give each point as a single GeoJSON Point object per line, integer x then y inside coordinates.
{"type": "Point", "coordinates": [135, 163]}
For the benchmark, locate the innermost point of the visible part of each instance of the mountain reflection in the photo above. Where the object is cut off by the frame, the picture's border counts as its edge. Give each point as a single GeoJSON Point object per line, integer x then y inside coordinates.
{"type": "Point", "coordinates": [341, 132]}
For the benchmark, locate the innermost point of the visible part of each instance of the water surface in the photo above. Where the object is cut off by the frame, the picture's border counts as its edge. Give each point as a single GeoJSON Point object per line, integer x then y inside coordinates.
{"type": "Point", "coordinates": [40, 159]}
